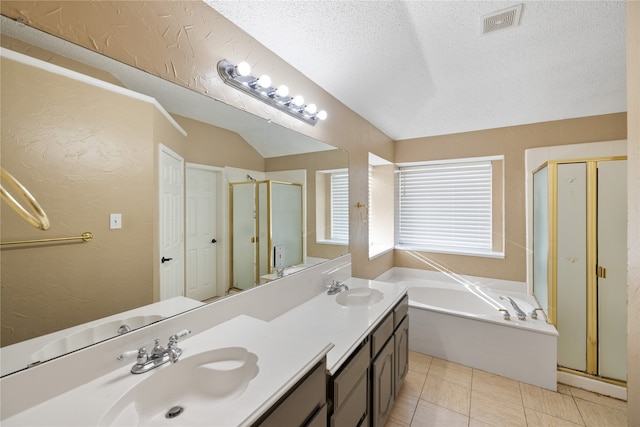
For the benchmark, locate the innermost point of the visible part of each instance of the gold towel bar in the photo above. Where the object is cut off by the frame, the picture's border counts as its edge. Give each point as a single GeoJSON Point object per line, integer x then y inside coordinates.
{"type": "Point", "coordinates": [85, 238]}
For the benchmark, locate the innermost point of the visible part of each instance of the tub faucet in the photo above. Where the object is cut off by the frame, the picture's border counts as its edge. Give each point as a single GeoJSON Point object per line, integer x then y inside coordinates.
{"type": "Point", "coordinates": [335, 287]}
{"type": "Point", "coordinates": [521, 314]}
{"type": "Point", "coordinates": [159, 355]}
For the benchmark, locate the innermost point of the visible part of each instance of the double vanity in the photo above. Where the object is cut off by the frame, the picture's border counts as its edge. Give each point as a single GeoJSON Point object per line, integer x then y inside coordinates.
{"type": "Point", "coordinates": [285, 353]}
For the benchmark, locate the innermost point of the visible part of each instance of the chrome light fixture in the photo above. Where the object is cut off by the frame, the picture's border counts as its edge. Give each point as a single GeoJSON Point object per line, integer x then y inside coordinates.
{"type": "Point", "coordinates": [239, 76]}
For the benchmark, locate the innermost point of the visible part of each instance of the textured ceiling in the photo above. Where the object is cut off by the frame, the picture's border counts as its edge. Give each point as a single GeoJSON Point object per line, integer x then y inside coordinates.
{"type": "Point", "coordinates": [422, 68]}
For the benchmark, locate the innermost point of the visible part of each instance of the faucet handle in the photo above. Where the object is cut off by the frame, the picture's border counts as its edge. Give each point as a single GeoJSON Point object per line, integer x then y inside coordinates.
{"type": "Point", "coordinates": [534, 313]}
{"type": "Point", "coordinates": [183, 333]}
{"type": "Point", "coordinates": [141, 355]}
{"type": "Point", "coordinates": [127, 354]}
{"type": "Point", "coordinates": [173, 339]}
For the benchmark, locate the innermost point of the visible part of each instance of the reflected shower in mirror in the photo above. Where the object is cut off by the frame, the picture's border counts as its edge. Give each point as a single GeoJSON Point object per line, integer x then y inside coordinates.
{"type": "Point", "coordinates": [87, 148]}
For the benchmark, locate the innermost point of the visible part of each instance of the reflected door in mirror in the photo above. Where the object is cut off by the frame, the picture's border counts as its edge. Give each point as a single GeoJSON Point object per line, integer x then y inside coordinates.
{"type": "Point", "coordinates": [171, 224]}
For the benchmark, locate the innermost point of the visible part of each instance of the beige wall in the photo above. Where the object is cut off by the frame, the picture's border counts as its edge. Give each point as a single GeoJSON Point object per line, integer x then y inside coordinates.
{"type": "Point", "coordinates": [161, 53]}
{"type": "Point", "coordinates": [313, 162]}
{"type": "Point", "coordinates": [214, 146]}
{"type": "Point", "coordinates": [633, 200]}
{"type": "Point", "coordinates": [510, 142]}
{"type": "Point", "coordinates": [84, 152]}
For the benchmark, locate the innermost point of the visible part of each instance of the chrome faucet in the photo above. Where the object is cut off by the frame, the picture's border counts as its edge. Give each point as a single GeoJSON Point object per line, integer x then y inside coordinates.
{"type": "Point", "coordinates": [280, 271]}
{"type": "Point", "coordinates": [335, 287]}
{"type": "Point", "coordinates": [124, 329]}
{"type": "Point", "coordinates": [159, 355]}
{"type": "Point", "coordinates": [521, 314]}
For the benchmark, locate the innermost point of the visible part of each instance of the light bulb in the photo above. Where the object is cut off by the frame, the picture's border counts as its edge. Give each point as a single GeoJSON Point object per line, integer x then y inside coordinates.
{"type": "Point", "coordinates": [322, 115]}
{"type": "Point", "coordinates": [311, 108]}
{"type": "Point", "coordinates": [243, 69]}
{"type": "Point", "coordinates": [264, 81]}
{"type": "Point", "coordinates": [298, 101]}
{"type": "Point", "coordinates": [282, 91]}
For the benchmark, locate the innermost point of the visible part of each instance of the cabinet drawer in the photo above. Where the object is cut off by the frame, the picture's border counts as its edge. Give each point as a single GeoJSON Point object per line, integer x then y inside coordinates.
{"type": "Point", "coordinates": [400, 311]}
{"type": "Point", "coordinates": [348, 378]}
{"type": "Point", "coordinates": [305, 399]}
{"type": "Point", "coordinates": [354, 410]}
{"type": "Point", "coordinates": [380, 336]}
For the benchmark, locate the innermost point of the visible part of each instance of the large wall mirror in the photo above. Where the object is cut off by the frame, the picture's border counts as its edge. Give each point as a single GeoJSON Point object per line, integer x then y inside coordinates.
{"type": "Point", "coordinates": [86, 152]}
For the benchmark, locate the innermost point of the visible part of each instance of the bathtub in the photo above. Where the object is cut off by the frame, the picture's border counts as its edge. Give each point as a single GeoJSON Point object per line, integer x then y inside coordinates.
{"type": "Point", "coordinates": [458, 319]}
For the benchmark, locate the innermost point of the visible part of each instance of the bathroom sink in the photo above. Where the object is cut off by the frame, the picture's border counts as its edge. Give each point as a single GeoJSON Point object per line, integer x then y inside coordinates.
{"type": "Point", "coordinates": [188, 389]}
{"type": "Point", "coordinates": [359, 297]}
{"type": "Point", "coordinates": [91, 335]}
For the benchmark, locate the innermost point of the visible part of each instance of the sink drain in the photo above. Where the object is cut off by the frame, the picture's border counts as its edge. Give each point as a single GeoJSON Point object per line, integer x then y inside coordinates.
{"type": "Point", "coordinates": [174, 412]}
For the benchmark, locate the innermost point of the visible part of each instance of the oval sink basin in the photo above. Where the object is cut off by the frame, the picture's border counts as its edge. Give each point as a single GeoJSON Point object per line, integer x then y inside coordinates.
{"type": "Point", "coordinates": [359, 297]}
{"type": "Point", "coordinates": [185, 389]}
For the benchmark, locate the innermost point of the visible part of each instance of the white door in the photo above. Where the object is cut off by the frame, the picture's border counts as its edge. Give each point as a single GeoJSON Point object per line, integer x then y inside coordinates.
{"type": "Point", "coordinates": [202, 232]}
{"type": "Point", "coordinates": [171, 224]}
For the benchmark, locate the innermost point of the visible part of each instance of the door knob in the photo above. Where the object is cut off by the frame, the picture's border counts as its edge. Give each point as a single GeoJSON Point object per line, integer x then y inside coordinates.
{"type": "Point", "coordinates": [213, 241]}
{"type": "Point", "coordinates": [166, 259]}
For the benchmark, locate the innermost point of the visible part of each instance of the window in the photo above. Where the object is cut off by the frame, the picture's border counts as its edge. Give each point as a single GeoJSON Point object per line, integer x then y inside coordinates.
{"type": "Point", "coordinates": [339, 206]}
{"type": "Point", "coordinates": [449, 207]}
{"type": "Point", "coordinates": [332, 207]}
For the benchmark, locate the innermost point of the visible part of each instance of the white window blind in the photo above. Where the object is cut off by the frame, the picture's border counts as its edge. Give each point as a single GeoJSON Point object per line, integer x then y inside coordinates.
{"type": "Point", "coordinates": [446, 206]}
{"type": "Point", "coordinates": [340, 206]}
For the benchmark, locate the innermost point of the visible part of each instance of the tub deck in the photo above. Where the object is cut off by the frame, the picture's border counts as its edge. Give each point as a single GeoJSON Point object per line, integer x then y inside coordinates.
{"type": "Point", "coordinates": [523, 350]}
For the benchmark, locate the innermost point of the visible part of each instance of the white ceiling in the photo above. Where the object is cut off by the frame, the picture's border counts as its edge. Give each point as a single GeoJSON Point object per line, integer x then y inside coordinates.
{"type": "Point", "coordinates": [422, 68]}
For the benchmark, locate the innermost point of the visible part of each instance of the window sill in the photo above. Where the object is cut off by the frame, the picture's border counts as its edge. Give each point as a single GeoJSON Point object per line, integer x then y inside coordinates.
{"type": "Point", "coordinates": [332, 242]}
{"type": "Point", "coordinates": [464, 252]}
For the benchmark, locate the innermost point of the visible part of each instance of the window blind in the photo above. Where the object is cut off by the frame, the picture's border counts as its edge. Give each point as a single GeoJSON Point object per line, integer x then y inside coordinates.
{"type": "Point", "coordinates": [340, 206]}
{"type": "Point", "coordinates": [445, 206]}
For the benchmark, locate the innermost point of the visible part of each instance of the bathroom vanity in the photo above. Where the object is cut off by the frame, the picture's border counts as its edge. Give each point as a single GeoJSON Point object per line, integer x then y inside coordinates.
{"type": "Point", "coordinates": [282, 351]}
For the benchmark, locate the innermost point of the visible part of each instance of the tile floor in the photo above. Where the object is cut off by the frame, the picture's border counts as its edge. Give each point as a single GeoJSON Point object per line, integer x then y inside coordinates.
{"type": "Point", "coordinates": [441, 393]}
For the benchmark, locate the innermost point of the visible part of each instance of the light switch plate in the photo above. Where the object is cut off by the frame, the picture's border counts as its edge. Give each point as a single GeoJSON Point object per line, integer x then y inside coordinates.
{"type": "Point", "coordinates": [115, 221]}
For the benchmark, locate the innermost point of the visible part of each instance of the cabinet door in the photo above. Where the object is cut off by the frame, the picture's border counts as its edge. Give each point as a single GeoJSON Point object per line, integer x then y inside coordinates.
{"type": "Point", "coordinates": [383, 371]}
{"type": "Point", "coordinates": [401, 340]}
{"type": "Point", "coordinates": [319, 419]}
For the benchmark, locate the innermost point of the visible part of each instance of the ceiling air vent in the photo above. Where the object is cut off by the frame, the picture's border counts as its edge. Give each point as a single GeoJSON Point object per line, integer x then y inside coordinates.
{"type": "Point", "coordinates": [501, 19]}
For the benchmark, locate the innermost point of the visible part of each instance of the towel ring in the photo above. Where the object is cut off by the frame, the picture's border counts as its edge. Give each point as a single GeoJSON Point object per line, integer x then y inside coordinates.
{"type": "Point", "coordinates": [39, 218]}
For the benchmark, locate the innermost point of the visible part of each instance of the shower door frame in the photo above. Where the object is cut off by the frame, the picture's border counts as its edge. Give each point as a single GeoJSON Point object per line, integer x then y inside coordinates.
{"type": "Point", "coordinates": [269, 202]}
{"type": "Point", "coordinates": [592, 267]}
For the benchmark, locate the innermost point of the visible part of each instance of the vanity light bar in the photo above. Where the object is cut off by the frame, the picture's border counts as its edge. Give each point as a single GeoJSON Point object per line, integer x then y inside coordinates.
{"type": "Point", "coordinates": [239, 77]}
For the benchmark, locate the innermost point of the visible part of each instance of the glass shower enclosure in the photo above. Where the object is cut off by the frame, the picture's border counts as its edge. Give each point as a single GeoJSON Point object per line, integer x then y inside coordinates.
{"type": "Point", "coordinates": [579, 262]}
{"type": "Point", "coordinates": [267, 222]}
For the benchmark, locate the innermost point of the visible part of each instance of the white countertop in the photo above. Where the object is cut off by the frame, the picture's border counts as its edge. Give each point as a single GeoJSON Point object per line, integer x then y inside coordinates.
{"type": "Point", "coordinates": [18, 356]}
{"type": "Point", "coordinates": [283, 358]}
{"type": "Point", "coordinates": [286, 347]}
{"type": "Point", "coordinates": [345, 327]}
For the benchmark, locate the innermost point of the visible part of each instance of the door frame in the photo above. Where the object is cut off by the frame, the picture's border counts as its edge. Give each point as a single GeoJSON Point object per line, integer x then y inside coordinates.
{"type": "Point", "coordinates": [221, 225]}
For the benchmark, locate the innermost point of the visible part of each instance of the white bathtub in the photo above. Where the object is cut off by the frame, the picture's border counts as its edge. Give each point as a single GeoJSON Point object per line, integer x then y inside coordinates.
{"type": "Point", "coordinates": [458, 319]}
